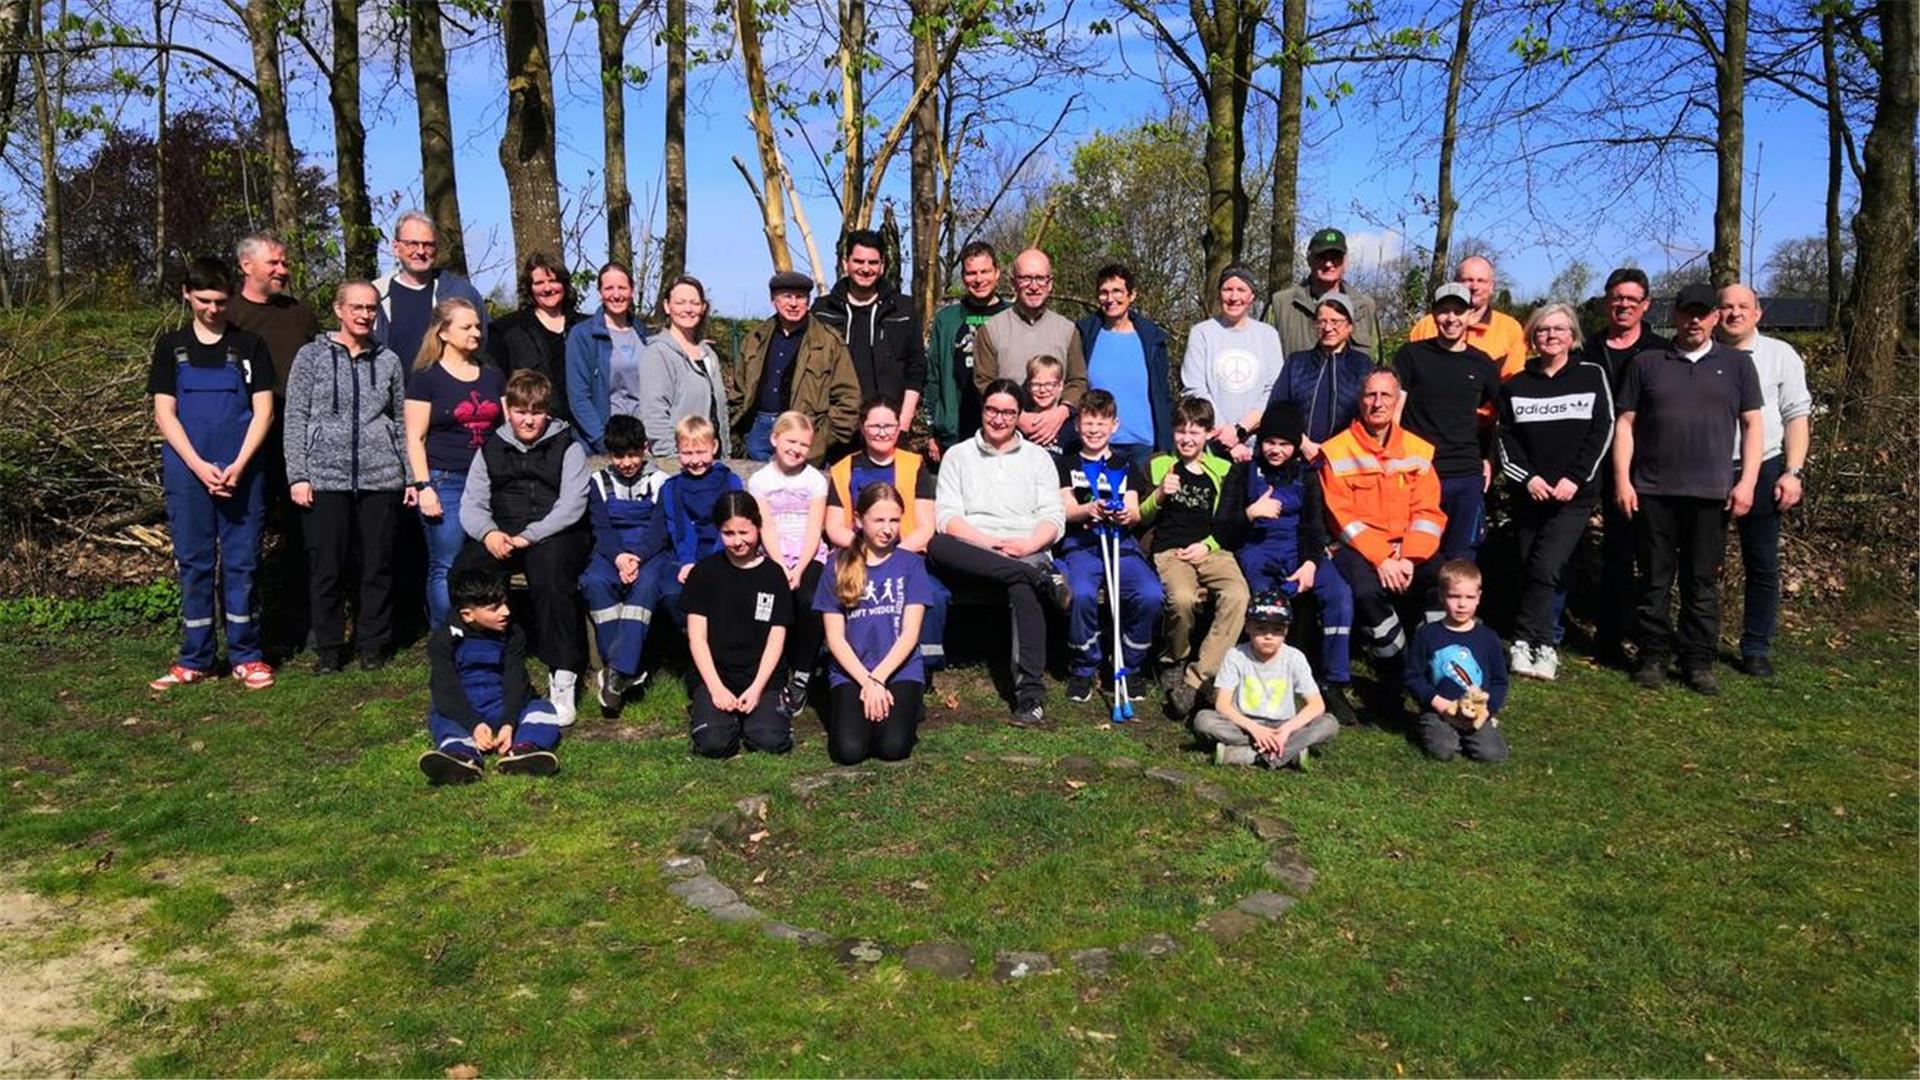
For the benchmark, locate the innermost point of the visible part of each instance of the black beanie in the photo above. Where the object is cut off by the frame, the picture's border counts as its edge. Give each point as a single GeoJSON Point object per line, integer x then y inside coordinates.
{"type": "Point", "coordinates": [1282, 420]}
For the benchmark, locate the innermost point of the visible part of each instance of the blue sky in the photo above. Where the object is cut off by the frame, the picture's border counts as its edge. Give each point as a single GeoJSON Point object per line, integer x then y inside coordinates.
{"type": "Point", "coordinates": [1360, 171]}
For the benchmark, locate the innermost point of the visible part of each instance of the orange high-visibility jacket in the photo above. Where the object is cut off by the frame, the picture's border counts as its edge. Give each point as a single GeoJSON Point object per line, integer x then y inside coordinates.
{"type": "Point", "coordinates": [1382, 494]}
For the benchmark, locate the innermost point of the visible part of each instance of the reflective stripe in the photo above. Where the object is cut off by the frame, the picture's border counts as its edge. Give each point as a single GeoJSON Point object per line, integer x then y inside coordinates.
{"type": "Point", "coordinates": [1085, 646]}
{"type": "Point", "coordinates": [1426, 527]}
{"type": "Point", "coordinates": [1340, 630]}
{"type": "Point", "coordinates": [1343, 466]}
{"type": "Point", "coordinates": [231, 617]}
{"type": "Point", "coordinates": [1353, 530]}
{"type": "Point", "coordinates": [621, 612]}
{"type": "Point", "coordinates": [444, 743]}
{"type": "Point", "coordinates": [1132, 644]}
{"type": "Point", "coordinates": [195, 623]}
{"type": "Point", "coordinates": [1406, 464]}
{"type": "Point", "coordinates": [933, 650]}
{"type": "Point", "coordinates": [1391, 648]}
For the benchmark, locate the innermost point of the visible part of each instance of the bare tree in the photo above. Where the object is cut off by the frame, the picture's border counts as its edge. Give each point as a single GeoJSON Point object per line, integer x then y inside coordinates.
{"type": "Point", "coordinates": [673, 242]}
{"type": "Point", "coordinates": [771, 199]}
{"type": "Point", "coordinates": [1445, 204]}
{"type": "Point", "coordinates": [527, 138]}
{"type": "Point", "coordinates": [359, 238]}
{"type": "Point", "coordinates": [427, 54]}
{"type": "Point", "coordinates": [1880, 308]}
{"type": "Point", "coordinates": [45, 111]}
{"type": "Point", "coordinates": [262, 19]}
{"type": "Point", "coordinates": [613, 29]}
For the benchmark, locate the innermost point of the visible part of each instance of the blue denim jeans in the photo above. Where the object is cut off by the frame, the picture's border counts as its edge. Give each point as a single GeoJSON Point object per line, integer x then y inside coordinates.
{"type": "Point", "coordinates": [1464, 498]}
{"type": "Point", "coordinates": [1760, 555]}
{"type": "Point", "coordinates": [445, 537]}
{"type": "Point", "coordinates": [760, 437]}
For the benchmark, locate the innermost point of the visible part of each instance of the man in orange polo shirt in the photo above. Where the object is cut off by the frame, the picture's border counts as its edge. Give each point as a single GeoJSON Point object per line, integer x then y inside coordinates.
{"type": "Point", "coordinates": [1492, 332]}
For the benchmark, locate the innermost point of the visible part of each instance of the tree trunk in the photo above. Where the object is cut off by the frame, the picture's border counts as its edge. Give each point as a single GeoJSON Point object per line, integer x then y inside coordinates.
{"type": "Point", "coordinates": [613, 99]}
{"type": "Point", "coordinates": [1285, 223]}
{"type": "Point", "coordinates": [1880, 306]}
{"type": "Point", "coordinates": [13, 33]}
{"type": "Point", "coordinates": [923, 161]}
{"type": "Point", "coordinates": [428, 57]}
{"type": "Point", "coordinates": [360, 241]}
{"type": "Point", "coordinates": [527, 138]}
{"type": "Point", "coordinates": [673, 246]}
{"type": "Point", "coordinates": [1226, 37]}
{"type": "Point", "coordinates": [852, 60]}
{"type": "Point", "coordinates": [760, 114]}
{"type": "Point", "coordinates": [1444, 202]}
{"type": "Point", "coordinates": [263, 34]}
{"type": "Point", "coordinates": [1836, 136]}
{"type": "Point", "coordinates": [1729, 148]}
{"type": "Point", "coordinates": [161, 61]}
{"type": "Point", "coordinates": [44, 114]}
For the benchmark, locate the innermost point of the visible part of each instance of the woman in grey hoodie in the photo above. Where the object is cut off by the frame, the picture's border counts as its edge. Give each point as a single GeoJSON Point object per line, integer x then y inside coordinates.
{"type": "Point", "coordinates": [345, 470]}
{"type": "Point", "coordinates": [680, 373]}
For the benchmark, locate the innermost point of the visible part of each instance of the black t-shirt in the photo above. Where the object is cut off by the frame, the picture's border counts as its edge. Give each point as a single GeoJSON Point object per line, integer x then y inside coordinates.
{"type": "Point", "coordinates": [868, 471]}
{"type": "Point", "coordinates": [409, 312]}
{"type": "Point", "coordinates": [249, 349]}
{"type": "Point", "coordinates": [1445, 391]}
{"type": "Point", "coordinates": [1187, 516]}
{"type": "Point", "coordinates": [463, 413]}
{"type": "Point", "coordinates": [1614, 361]}
{"type": "Point", "coordinates": [740, 607]}
{"type": "Point", "coordinates": [1073, 476]}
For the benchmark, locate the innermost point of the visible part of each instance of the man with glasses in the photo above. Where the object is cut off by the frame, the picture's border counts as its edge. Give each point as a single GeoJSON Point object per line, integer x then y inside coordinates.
{"type": "Point", "coordinates": [1679, 407]}
{"type": "Point", "coordinates": [1495, 333]}
{"type": "Point", "coordinates": [1029, 328]}
{"type": "Point", "coordinates": [952, 398]}
{"type": "Point", "coordinates": [1295, 311]}
{"type": "Point", "coordinates": [1127, 357]}
{"type": "Point", "coordinates": [408, 295]}
{"type": "Point", "coordinates": [1625, 335]}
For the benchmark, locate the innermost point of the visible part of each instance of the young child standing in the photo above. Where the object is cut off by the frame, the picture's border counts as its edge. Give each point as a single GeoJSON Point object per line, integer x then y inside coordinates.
{"type": "Point", "coordinates": [212, 387]}
{"type": "Point", "coordinates": [1266, 709]}
{"type": "Point", "coordinates": [872, 606]}
{"type": "Point", "coordinates": [1456, 672]}
{"type": "Point", "coordinates": [793, 498]}
{"type": "Point", "coordinates": [623, 579]}
{"type": "Point", "coordinates": [1080, 558]}
{"type": "Point", "coordinates": [738, 610]}
{"type": "Point", "coordinates": [688, 499]}
{"type": "Point", "coordinates": [1194, 512]}
{"type": "Point", "coordinates": [482, 701]}
{"type": "Point", "coordinates": [524, 506]}
{"type": "Point", "coordinates": [1046, 381]}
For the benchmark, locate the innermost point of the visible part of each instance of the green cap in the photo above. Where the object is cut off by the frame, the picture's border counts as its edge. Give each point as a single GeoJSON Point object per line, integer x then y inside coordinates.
{"type": "Point", "coordinates": [1327, 240]}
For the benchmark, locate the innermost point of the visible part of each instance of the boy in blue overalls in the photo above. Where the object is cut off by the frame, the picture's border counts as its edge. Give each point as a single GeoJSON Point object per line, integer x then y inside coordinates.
{"type": "Point", "coordinates": [482, 699]}
{"type": "Point", "coordinates": [623, 580]}
{"type": "Point", "coordinates": [1080, 560]}
{"type": "Point", "coordinates": [1286, 543]}
{"type": "Point", "coordinates": [212, 387]}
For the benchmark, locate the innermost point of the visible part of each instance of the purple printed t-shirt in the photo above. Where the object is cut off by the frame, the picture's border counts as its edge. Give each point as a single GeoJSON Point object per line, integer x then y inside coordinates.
{"type": "Point", "coordinates": [464, 413]}
{"type": "Point", "coordinates": [873, 625]}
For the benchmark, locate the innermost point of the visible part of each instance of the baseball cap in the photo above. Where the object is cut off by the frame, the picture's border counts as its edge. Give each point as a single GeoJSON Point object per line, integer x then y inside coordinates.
{"type": "Point", "coordinates": [1453, 290]}
{"type": "Point", "coordinates": [1269, 606]}
{"type": "Point", "coordinates": [1697, 295]}
{"type": "Point", "coordinates": [1327, 240]}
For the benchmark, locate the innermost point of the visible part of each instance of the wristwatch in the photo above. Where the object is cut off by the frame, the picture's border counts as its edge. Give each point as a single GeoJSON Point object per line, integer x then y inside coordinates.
{"type": "Point", "coordinates": [1795, 473]}
{"type": "Point", "coordinates": [419, 485]}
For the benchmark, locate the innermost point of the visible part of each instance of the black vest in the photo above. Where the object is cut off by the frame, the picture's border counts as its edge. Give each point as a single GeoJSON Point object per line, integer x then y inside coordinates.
{"type": "Point", "coordinates": [525, 483]}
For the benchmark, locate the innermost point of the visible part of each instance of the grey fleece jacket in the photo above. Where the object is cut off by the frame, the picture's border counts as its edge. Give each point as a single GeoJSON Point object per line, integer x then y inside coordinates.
{"type": "Point", "coordinates": [476, 502]}
{"type": "Point", "coordinates": [344, 426]}
{"type": "Point", "coordinates": [671, 386]}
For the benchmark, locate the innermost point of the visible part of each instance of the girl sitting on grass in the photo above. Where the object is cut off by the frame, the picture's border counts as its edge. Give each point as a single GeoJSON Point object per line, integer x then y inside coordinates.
{"type": "Point", "coordinates": [738, 611]}
{"type": "Point", "coordinates": [872, 604]}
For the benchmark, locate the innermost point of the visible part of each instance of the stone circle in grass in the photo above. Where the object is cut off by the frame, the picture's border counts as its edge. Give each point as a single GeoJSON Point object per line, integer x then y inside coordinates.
{"type": "Point", "coordinates": [1008, 866]}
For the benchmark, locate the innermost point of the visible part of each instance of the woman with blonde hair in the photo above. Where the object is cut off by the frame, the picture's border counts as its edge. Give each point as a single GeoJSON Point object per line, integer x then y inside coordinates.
{"type": "Point", "coordinates": [453, 404]}
{"type": "Point", "coordinates": [872, 602]}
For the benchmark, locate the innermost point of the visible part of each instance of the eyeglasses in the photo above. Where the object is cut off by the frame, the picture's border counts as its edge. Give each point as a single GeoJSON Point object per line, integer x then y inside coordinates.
{"type": "Point", "coordinates": [419, 245]}
{"type": "Point", "coordinates": [1539, 330]}
{"type": "Point", "coordinates": [1328, 324]}
{"type": "Point", "coordinates": [1631, 301]}
{"type": "Point", "coordinates": [992, 413]}
{"type": "Point", "coordinates": [1032, 279]}
{"type": "Point", "coordinates": [362, 309]}
{"type": "Point", "coordinates": [1050, 384]}
{"type": "Point", "coordinates": [882, 429]}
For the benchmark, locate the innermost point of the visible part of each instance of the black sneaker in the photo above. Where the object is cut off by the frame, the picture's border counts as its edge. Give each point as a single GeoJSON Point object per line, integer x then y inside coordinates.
{"type": "Point", "coordinates": [1079, 688]}
{"type": "Point", "coordinates": [525, 759]}
{"type": "Point", "coordinates": [793, 698]}
{"type": "Point", "coordinates": [608, 689]}
{"type": "Point", "coordinates": [1339, 706]}
{"type": "Point", "coordinates": [373, 661]}
{"type": "Point", "coordinates": [1651, 674]}
{"type": "Point", "coordinates": [442, 767]}
{"type": "Point", "coordinates": [1701, 681]}
{"type": "Point", "coordinates": [1059, 590]}
{"type": "Point", "coordinates": [1756, 667]}
{"type": "Point", "coordinates": [329, 661]}
{"type": "Point", "coordinates": [1028, 716]}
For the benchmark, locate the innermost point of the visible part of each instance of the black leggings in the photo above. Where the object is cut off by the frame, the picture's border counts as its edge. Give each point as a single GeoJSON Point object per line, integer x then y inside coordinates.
{"type": "Point", "coordinates": [803, 638]}
{"type": "Point", "coordinates": [852, 738]}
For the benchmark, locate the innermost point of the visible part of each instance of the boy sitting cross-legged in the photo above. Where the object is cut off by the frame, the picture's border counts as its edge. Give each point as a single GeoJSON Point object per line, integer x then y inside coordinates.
{"type": "Point", "coordinates": [482, 701]}
{"type": "Point", "coordinates": [1080, 556]}
{"type": "Point", "coordinates": [1456, 672]}
{"type": "Point", "coordinates": [1266, 709]}
{"type": "Point", "coordinates": [623, 579]}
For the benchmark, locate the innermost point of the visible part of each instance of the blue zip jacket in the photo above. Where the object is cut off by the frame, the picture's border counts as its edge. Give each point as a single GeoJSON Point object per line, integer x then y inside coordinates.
{"type": "Point", "coordinates": [1153, 345]}
{"type": "Point", "coordinates": [1326, 388]}
{"type": "Point", "coordinates": [689, 511]}
{"type": "Point", "coordinates": [590, 379]}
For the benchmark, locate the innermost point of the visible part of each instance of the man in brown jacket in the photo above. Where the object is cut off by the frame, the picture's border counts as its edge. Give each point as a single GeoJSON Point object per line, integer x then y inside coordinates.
{"type": "Point", "coordinates": [792, 362]}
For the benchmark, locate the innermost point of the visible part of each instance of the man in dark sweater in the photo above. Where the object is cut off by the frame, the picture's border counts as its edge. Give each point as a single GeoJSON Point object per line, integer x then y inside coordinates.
{"type": "Point", "coordinates": [1448, 389]}
{"type": "Point", "coordinates": [953, 398]}
{"type": "Point", "coordinates": [1678, 408]}
{"type": "Point", "coordinates": [878, 327]}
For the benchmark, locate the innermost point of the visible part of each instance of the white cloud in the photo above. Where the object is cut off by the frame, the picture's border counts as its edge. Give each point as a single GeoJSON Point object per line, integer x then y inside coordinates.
{"type": "Point", "coordinates": [1369, 250]}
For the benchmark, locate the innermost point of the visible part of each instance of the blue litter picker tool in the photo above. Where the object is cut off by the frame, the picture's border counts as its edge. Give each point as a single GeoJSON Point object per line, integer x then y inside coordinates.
{"type": "Point", "coordinates": [1109, 485]}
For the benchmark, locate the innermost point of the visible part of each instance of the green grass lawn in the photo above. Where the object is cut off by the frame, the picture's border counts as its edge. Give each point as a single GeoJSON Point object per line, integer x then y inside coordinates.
{"type": "Point", "coordinates": [221, 883]}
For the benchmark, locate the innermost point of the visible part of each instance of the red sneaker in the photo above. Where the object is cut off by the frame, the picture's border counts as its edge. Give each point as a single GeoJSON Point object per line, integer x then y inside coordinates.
{"type": "Point", "coordinates": [177, 676]}
{"type": "Point", "coordinates": [257, 675]}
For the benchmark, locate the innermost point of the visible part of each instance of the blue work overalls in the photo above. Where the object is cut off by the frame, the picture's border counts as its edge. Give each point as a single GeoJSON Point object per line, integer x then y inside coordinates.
{"type": "Point", "coordinates": [621, 612]}
{"type": "Point", "coordinates": [480, 660]}
{"type": "Point", "coordinates": [1141, 595]}
{"type": "Point", "coordinates": [1271, 554]}
{"type": "Point", "coordinates": [214, 534]}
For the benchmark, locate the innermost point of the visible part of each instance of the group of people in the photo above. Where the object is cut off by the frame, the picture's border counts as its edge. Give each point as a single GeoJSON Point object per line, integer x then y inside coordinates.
{"type": "Point", "coordinates": [1295, 479]}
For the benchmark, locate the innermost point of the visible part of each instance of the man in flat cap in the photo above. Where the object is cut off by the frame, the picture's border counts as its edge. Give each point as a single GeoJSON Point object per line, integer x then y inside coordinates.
{"type": "Point", "coordinates": [792, 362]}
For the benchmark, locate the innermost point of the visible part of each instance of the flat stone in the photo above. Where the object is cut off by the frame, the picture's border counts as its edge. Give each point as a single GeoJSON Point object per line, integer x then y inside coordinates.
{"type": "Point", "coordinates": [1123, 764]}
{"type": "Point", "coordinates": [725, 825]}
{"type": "Point", "coordinates": [705, 892]}
{"type": "Point", "coordinates": [694, 841]}
{"type": "Point", "coordinates": [1009, 966]}
{"type": "Point", "coordinates": [1079, 767]}
{"type": "Point", "coordinates": [753, 808]}
{"type": "Point", "coordinates": [976, 757]}
{"type": "Point", "coordinates": [859, 951]}
{"type": "Point", "coordinates": [1095, 962]}
{"type": "Point", "coordinates": [795, 935]}
{"type": "Point", "coordinates": [1227, 927]}
{"type": "Point", "coordinates": [1266, 903]}
{"type": "Point", "coordinates": [1290, 871]}
{"type": "Point", "coordinates": [1030, 761]}
{"type": "Point", "coordinates": [847, 773]}
{"type": "Point", "coordinates": [1213, 793]}
{"type": "Point", "coordinates": [1267, 828]}
{"type": "Point", "coordinates": [738, 912]}
{"type": "Point", "coordinates": [947, 959]}
{"type": "Point", "coordinates": [1153, 946]}
{"type": "Point", "coordinates": [807, 785]}
{"type": "Point", "coordinates": [683, 866]}
{"type": "Point", "coordinates": [1170, 776]}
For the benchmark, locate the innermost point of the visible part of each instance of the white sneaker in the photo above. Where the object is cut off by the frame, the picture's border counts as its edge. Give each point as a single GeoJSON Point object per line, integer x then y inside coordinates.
{"type": "Point", "coordinates": [1546, 662]}
{"type": "Point", "coordinates": [1520, 660]}
{"type": "Point", "coordinates": [560, 691]}
{"type": "Point", "coordinates": [1233, 755]}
